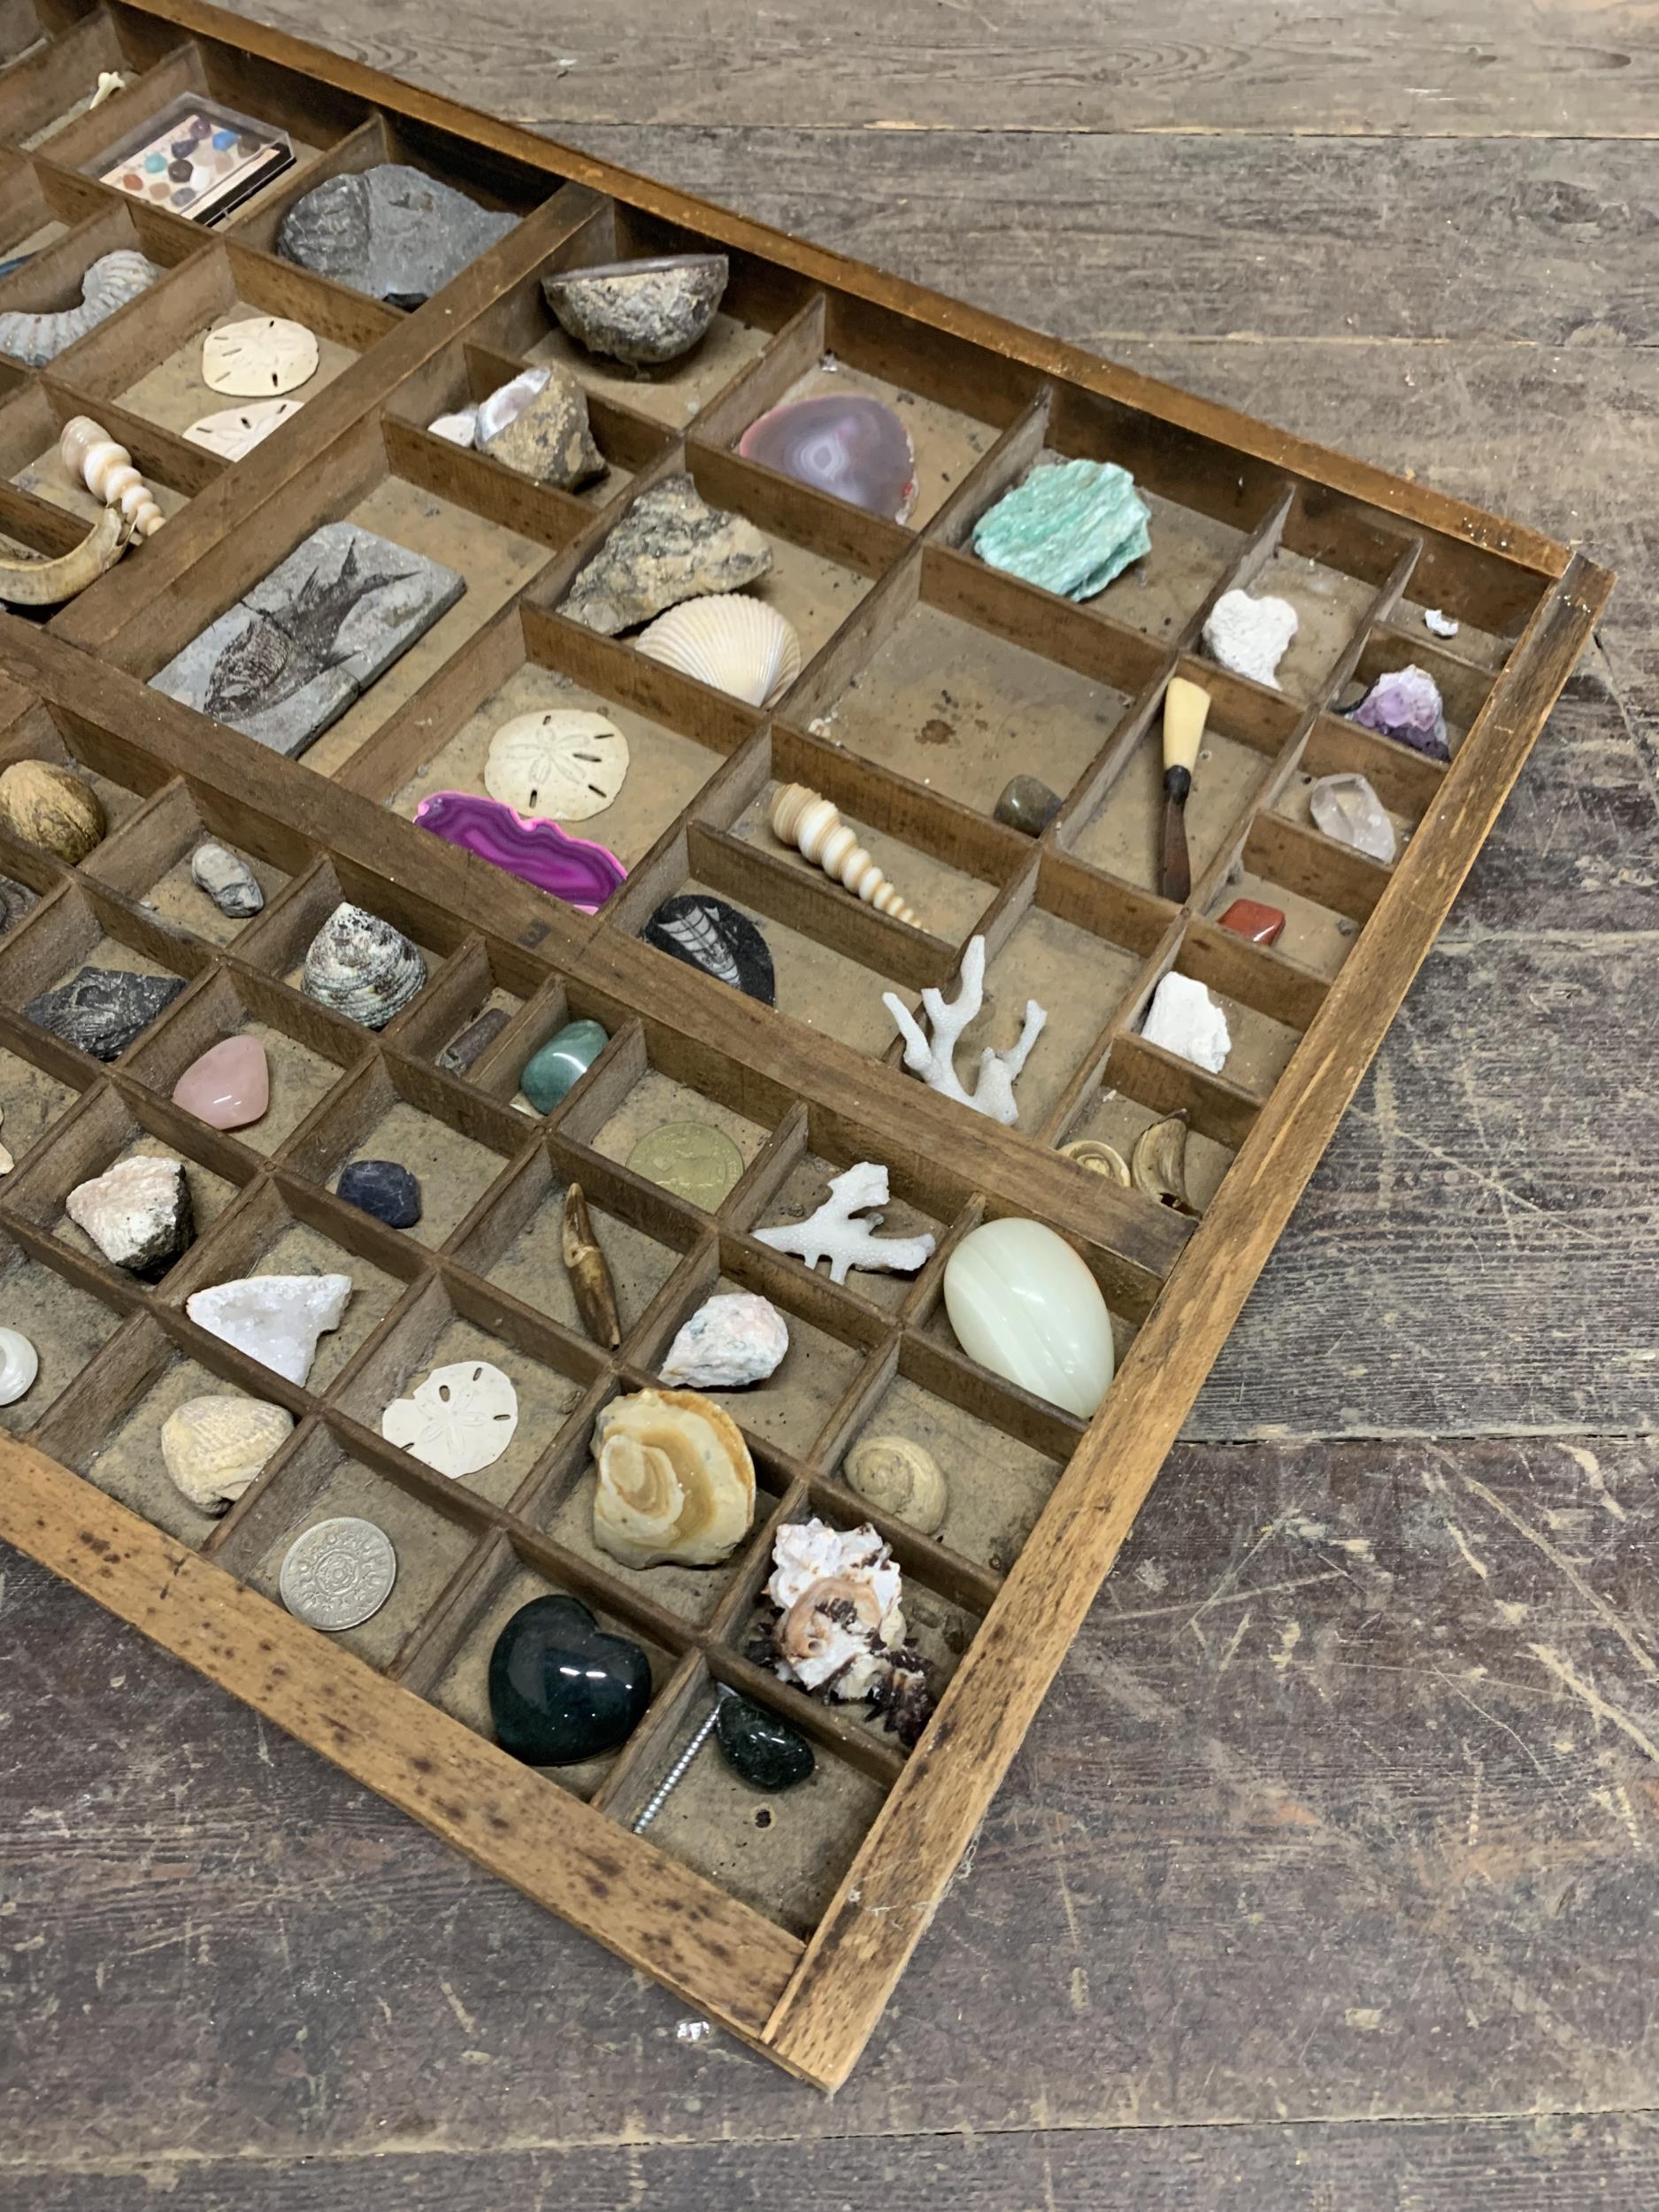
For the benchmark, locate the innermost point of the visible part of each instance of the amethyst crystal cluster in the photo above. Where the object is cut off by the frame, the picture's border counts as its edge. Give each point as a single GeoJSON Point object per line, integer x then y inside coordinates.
{"type": "Point", "coordinates": [1406, 704]}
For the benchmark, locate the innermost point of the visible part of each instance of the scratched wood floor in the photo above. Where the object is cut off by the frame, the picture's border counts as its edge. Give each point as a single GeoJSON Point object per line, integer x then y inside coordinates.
{"type": "Point", "coordinates": [1329, 1875]}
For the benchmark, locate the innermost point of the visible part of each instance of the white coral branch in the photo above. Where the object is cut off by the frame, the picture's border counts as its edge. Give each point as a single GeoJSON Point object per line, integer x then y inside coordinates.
{"type": "Point", "coordinates": [935, 1063]}
{"type": "Point", "coordinates": [832, 1233]}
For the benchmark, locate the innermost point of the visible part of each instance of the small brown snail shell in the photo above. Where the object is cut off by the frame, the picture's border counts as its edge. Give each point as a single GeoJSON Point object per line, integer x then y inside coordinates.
{"type": "Point", "coordinates": [900, 1478]}
{"type": "Point", "coordinates": [46, 806]}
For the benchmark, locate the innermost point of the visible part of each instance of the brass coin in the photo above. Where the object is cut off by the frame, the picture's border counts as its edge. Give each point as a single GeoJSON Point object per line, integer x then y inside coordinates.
{"type": "Point", "coordinates": [694, 1159]}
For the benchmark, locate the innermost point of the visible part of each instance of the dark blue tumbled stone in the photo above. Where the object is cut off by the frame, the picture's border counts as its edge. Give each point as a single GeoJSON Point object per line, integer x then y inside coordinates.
{"type": "Point", "coordinates": [561, 1690]}
{"type": "Point", "coordinates": [764, 1750]}
{"type": "Point", "coordinates": [383, 1188]}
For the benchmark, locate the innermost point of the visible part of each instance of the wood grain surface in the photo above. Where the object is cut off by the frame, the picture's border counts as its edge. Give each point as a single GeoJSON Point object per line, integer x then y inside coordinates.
{"type": "Point", "coordinates": [1326, 1876]}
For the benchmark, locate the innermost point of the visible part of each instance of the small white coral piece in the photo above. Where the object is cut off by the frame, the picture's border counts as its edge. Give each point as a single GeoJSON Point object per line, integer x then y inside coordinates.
{"type": "Point", "coordinates": [832, 1233]}
{"type": "Point", "coordinates": [459, 1420]}
{"type": "Point", "coordinates": [1251, 636]}
{"type": "Point", "coordinates": [734, 1338]}
{"type": "Point", "coordinates": [1185, 1020]}
{"type": "Point", "coordinates": [820, 1577]}
{"type": "Point", "coordinates": [275, 1319]}
{"type": "Point", "coordinates": [935, 1063]}
{"type": "Point", "coordinates": [1440, 625]}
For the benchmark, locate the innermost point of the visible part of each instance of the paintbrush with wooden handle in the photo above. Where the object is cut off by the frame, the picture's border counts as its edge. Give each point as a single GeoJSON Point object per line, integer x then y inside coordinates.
{"type": "Point", "coordinates": [1186, 707]}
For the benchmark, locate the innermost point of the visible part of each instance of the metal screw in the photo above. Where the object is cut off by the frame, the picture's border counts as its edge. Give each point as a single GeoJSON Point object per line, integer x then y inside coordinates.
{"type": "Point", "coordinates": [676, 1774]}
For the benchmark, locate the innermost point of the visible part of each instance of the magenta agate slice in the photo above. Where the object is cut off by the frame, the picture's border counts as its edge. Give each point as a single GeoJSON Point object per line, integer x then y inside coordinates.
{"type": "Point", "coordinates": [844, 443]}
{"type": "Point", "coordinates": [537, 851]}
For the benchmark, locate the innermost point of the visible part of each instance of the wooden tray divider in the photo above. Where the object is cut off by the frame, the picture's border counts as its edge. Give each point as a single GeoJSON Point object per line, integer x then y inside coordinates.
{"type": "Point", "coordinates": [793, 351]}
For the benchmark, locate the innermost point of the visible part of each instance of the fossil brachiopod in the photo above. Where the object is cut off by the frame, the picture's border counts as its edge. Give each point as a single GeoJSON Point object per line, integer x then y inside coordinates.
{"type": "Point", "coordinates": [675, 1480]}
{"type": "Point", "coordinates": [47, 806]}
{"type": "Point", "coordinates": [899, 1478]}
{"type": "Point", "coordinates": [216, 1448]}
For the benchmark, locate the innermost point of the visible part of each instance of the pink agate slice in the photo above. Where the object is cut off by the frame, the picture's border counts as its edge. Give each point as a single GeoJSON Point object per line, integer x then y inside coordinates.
{"type": "Point", "coordinates": [535, 850]}
{"type": "Point", "coordinates": [844, 443]}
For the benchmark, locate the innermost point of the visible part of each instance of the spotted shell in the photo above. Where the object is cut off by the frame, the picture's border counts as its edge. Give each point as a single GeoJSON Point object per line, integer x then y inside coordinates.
{"type": "Point", "coordinates": [46, 806]}
{"type": "Point", "coordinates": [109, 282]}
{"type": "Point", "coordinates": [560, 762]}
{"type": "Point", "coordinates": [362, 967]}
{"type": "Point", "coordinates": [734, 644]}
{"type": "Point", "coordinates": [899, 1478]}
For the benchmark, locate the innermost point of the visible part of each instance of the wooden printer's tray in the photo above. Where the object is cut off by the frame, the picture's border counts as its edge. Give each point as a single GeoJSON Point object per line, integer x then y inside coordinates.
{"type": "Point", "coordinates": [928, 680]}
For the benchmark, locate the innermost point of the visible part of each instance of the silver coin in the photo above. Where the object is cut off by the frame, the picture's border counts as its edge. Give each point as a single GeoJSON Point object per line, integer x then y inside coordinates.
{"type": "Point", "coordinates": [338, 1573]}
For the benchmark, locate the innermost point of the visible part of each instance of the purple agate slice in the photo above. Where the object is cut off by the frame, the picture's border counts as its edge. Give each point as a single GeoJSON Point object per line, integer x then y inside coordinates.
{"type": "Point", "coordinates": [537, 851]}
{"type": "Point", "coordinates": [844, 443]}
{"type": "Point", "coordinates": [1406, 704]}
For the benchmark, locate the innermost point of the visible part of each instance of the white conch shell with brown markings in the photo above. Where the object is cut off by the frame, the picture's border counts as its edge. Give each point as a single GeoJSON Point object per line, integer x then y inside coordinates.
{"type": "Point", "coordinates": [838, 1591]}
{"type": "Point", "coordinates": [801, 817]}
{"type": "Point", "coordinates": [675, 1480]}
{"type": "Point", "coordinates": [733, 644]}
{"type": "Point", "coordinates": [106, 467]}
{"type": "Point", "coordinates": [49, 583]}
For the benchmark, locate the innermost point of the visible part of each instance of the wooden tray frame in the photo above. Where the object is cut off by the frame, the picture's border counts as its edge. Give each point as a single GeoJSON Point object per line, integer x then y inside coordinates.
{"type": "Point", "coordinates": [76, 689]}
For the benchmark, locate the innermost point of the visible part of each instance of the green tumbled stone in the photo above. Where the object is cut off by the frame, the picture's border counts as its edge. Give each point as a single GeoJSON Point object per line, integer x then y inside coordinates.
{"type": "Point", "coordinates": [764, 1750]}
{"type": "Point", "coordinates": [561, 1063]}
{"type": "Point", "coordinates": [1071, 527]}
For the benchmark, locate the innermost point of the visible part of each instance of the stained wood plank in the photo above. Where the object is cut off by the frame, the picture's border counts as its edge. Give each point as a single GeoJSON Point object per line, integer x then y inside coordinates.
{"type": "Point", "coordinates": [1434, 67]}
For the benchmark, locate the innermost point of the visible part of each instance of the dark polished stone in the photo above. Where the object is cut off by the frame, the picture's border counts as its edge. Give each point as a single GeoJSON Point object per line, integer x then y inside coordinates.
{"type": "Point", "coordinates": [383, 1188]}
{"type": "Point", "coordinates": [102, 1010]}
{"type": "Point", "coordinates": [561, 1690]}
{"type": "Point", "coordinates": [1028, 804]}
{"type": "Point", "coordinates": [764, 1750]}
{"type": "Point", "coordinates": [706, 932]}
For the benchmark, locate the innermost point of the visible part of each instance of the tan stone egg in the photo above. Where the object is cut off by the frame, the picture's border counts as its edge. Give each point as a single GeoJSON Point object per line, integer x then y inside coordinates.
{"type": "Point", "coordinates": [48, 807]}
{"type": "Point", "coordinates": [561, 762]}
{"type": "Point", "coordinates": [900, 1478]}
{"type": "Point", "coordinates": [260, 358]}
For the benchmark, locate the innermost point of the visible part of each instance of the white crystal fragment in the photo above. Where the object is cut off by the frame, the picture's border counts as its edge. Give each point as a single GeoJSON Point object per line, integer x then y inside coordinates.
{"type": "Point", "coordinates": [508, 400]}
{"type": "Point", "coordinates": [459, 1420]}
{"type": "Point", "coordinates": [992, 1094]}
{"type": "Point", "coordinates": [734, 1338]}
{"type": "Point", "coordinates": [1185, 1020]}
{"type": "Point", "coordinates": [832, 1233]}
{"type": "Point", "coordinates": [275, 1319]}
{"type": "Point", "coordinates": [1251, 636]}
{"type": "Point", "coordinates": [1440, 625]}
{"type": "Point", "coordinates": [1347, 810]}
{"type": "Point", "coordinates": [460, 428]}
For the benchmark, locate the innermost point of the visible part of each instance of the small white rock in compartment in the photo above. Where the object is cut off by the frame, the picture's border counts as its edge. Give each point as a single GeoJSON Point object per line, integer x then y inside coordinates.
{"type": "Point", "coordinates": [275, 1319]}
{"type": "Point", "coordinates": [1251, 636]}
{"type": "Point", "coordinates": [216, 1448]}
{"type": "Point", "coordinates": [832, 1233]}
{"type": "Point", "coordinates": [138, 1213]}
{"type": "Point", "coordinates": [734, 1338]}
{"type": "Point", "coordinates": [1184, 1019]}
{"type": "Point", "coordinates": [1440, 625]}
{"type": "Point", "coordinates": [459, 1420]}
{"type": "Point", "coordinates": [227, 880]}
{"type": "Point", "coordinates": [1346, 809]}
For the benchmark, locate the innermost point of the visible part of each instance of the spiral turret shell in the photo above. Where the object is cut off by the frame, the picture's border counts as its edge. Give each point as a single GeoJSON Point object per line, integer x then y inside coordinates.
{"type": "Point", "coordinates": [813, 824]}
{"type": "Point", "coordinates": [106, 467]}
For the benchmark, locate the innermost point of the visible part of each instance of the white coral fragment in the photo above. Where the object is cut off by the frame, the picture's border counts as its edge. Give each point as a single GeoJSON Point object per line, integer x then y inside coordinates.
{"type": "Point", "coordinates": [1440, 625]}
{"type": "Point", "coordinates": [935, 1063]}
{"type": "Point", "coordinates": [838, 1595]}
{"type": "Point", "coordinates": [1184, 1019]}
{"type": "Point", "coordinates": [1251, 636]}
{"type": "Point", "coordinates": [832, 1233]}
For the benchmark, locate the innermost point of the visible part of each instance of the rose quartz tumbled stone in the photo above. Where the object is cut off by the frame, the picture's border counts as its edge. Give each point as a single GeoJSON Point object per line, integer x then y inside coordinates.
{"type": "Point", "coordinates": [228, 1086]}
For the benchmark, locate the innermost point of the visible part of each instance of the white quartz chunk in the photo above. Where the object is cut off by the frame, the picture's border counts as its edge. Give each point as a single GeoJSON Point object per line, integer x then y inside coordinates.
{"type": "Point", "coordinates": [275, 1319]}
{"type": "Point", "coordinates": [1185, 1020]}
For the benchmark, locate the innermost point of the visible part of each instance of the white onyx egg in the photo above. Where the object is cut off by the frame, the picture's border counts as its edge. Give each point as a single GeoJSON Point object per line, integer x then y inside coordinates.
{"type": "Point", "coordinates": [1023, 1304]}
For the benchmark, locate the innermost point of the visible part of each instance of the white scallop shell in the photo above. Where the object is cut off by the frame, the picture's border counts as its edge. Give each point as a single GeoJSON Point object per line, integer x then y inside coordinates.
{"type": "Point", "coordinates": [734, 644]}
{"type": "Point", "coordinates": [19, 1364]}
{"type": "Point", "coordinates": [109, 282]}
{"type": "Point", "coordinates": [561, 762]}
{"type": "Point", "coordinates": [259, 358]}
{"type": "Point", "coordinates": [459, 1420]}
{"type": "Point", "coordinates": [234, 431]}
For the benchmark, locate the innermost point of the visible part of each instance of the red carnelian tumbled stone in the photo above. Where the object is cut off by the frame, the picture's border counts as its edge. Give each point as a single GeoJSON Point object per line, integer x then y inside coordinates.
{"type": "Point", "coordinates": [1248, 917]}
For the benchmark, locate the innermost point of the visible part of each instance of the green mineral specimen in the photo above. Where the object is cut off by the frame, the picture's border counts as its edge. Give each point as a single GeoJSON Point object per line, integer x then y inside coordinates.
{"type": "Point", "coordinates": [1071, 527]}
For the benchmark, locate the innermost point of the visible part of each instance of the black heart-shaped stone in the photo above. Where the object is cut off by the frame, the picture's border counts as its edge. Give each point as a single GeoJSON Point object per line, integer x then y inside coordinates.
{"type": "Point", "coordinates": [561, 1689]}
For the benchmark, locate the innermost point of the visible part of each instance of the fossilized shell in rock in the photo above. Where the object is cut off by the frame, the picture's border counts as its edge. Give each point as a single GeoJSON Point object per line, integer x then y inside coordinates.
{"type": "Point", "coordinates": [227, 879]}
{"type": "Point", "coordinates": [675, 1480]}
{"type": "Point", "coordinates": [19, 1364]}
{"type": "Point", "coordinates": [234, 431]}
{"type": "Point", "coordinates": [26, 582]}
{"type": "Point", "coordinates": [460, 1419]}
{"type": "Point", "coordinates": [736, 645]}
{"type": "Point", "coordinates": [260, 358]}
{"type": "Point", "coordinates": [898, 1477]}
{"type": "Point", "coordinates": [641, 311]}
{"type": "Point", "coordinates": [813, 824]}
{"type": "Point", "coordinates": [275, 1319]}
{"type": "Point", "coordinates": [731, 1340]}
{"type": "Point", "coordinates": [106, 467]}
{"type": "Point", "coordinates": [109, 282]}
{"type": "Point", "coordinates": [1158, 1163]}
{"type": "Point", "coordinates": [585, 1263]}
{"type": "Point", "coordinates": [561, 762]}
{"type": "Point", "coordinates": [1099, 1157]}
{"type": "Point", "coordinates": [362, 967]}
{"type": "Point", "coordinates": [48, 807]}
{"type": "Point", "coordinates": [838, 1592]}
{"type": "Point", "coordinates": [214, 1448]}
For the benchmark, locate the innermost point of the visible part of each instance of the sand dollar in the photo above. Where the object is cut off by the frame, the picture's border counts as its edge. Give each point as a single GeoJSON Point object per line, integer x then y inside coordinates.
{"type": "Point", "coordinates": [237, 430]}
{"type": "Point", "coordinates": [459, 1420]}
{"type": "Point", "coordinates": [259, 359]}
{"type": "Point", "coordinates": [561, 761]}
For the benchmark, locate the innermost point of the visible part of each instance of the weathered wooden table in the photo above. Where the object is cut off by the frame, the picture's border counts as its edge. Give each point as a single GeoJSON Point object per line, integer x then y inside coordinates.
{"type": "Point", "coordinates": [1328, 1876]}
